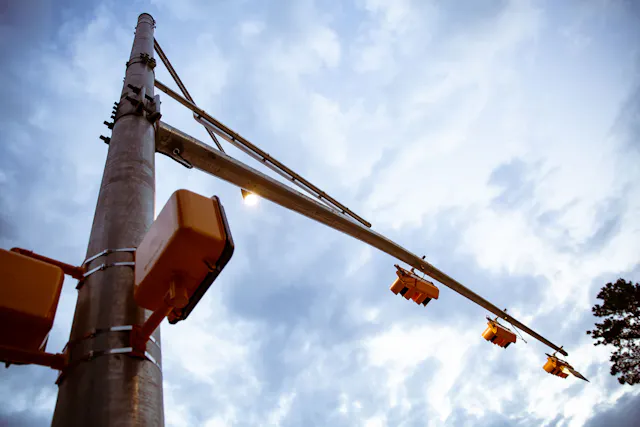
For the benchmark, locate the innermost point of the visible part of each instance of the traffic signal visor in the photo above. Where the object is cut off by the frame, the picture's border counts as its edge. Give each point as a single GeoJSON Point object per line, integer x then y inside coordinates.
{"type": "Point", "coordinates": [188, 245]}
{"type": "Point", "coordinates": [29, 296]}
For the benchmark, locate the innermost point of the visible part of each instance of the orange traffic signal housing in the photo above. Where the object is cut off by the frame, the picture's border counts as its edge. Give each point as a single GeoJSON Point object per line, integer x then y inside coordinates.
{"type": "Point", "coordinates": [29, 297]}
{"type": "Point", "coordinates": [560, 368]}
{"type": "Point", "coordinates": [183, 251]}
{"type": "Point", "coordinates": [498, 334]}
{"type": "Point", "coordinates": [555, 366]}
{"type": "Point", "coordinates": [410, 286]}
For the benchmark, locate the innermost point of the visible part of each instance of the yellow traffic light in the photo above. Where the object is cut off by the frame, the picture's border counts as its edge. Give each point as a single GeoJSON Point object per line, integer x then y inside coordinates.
{"type": "Point", "coordinates": [560, 368]}
{"type": "Point", "coordinates": [182, 253]}
{"type": "Point", "coordinates": [498, 334]}
{"type": "Point", "coordinates": [29, 298]}
{"type": "Point", "coordinates": [410, 286]}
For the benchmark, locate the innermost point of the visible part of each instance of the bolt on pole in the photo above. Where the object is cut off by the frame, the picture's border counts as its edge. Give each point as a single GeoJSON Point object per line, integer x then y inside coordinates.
{"type": "Point", "coordinates": [101, 387]}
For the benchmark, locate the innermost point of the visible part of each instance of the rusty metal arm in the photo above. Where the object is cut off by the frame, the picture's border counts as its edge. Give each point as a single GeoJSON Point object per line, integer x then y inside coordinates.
{"type": "Point", "coordinates": [209, 160]}
{"type": "Point", "coordinates": [13, 355]}
{"type": "Point", "coordinates": [246, 146]}
{"type": "Point", "coordinates": [176, 297]}
{"type": "Point", "coordinates": [71, 270]}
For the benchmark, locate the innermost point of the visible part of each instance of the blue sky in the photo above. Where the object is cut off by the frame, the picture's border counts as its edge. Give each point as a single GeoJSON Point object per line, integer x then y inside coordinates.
{"type": "Point", "coordinates": [499, 138]}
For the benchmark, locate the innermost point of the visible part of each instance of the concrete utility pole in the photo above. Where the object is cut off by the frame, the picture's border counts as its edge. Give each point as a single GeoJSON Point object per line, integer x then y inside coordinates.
{"type": "Point", "coordinates": [103, 385]}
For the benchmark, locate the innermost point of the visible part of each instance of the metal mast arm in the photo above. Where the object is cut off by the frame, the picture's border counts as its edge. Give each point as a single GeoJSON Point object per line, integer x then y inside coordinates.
{"type": "Point", "coordinates": [245, 145]}
{"type": "Point", "coordinates": [201, 156]}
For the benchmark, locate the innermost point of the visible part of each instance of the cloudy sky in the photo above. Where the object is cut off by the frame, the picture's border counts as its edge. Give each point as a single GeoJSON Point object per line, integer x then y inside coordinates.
{"type": "Point", "coordinates": [499, 138]}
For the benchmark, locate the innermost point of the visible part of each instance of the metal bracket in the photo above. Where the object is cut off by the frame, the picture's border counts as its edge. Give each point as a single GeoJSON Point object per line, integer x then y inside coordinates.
{"type": "Point", "coordinates": [139, 100]}
{"type": "Point", "coordinates": [148, 60]}
{"type": "Point", "coordinates": [116, 112]}
{"type": "Point", "coordinates": [143, 103]}
{"type": "Point", "coordinates": [144, 58]}
{"type": "Point", "coordinates": [176, 155]}
{"type": "Point", "coordinates": [153, 109]}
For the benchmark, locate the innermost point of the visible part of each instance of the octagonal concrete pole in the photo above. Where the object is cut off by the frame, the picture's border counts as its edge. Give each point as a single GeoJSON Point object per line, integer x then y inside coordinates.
{"type": "Point", "coordinates": [117, 389]}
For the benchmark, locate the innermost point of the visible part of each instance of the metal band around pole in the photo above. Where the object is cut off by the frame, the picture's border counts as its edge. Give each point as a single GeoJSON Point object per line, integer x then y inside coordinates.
{"type": "Point", "coordinates": [95, 332]}
{"type": "Point", "coordinates": [107, 252]}
{"type": "Point", "coordinates": [112, 351]}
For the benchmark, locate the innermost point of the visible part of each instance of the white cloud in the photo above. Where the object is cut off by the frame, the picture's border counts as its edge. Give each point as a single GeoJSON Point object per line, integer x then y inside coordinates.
{"type": "Point", "coordinates": [250, 29]}
{"type": "Point", "coordinates": [395, 29]}
{"type": "Point", "coordinates": [375, 421]}
{"type": "Point", "coordinates": [401, 350]}
{"type": "Point", "coordinates": [209, 74]}
{"type": "Point", "coordinates": [307, 54]}
{"type": "Point", "coordinates": [278, 414]}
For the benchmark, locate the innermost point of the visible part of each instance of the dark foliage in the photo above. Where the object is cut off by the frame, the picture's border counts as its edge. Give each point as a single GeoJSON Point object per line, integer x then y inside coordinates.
{"type": "Point", "coordinates": [620, 328]}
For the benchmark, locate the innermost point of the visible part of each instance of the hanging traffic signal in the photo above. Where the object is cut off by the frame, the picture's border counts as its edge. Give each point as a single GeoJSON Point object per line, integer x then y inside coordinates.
{"type": "Point", "coordinates": [560, 368]}
{"type": "Point", "coordinates": [410, 286]}
{"type": "Point", "coordinates": [29, 298]}
{"type": "Point", "coordinates": [498, 334]}
{"type": "Point", "coordinates": [183, 252]}
{"type": "Point", "coordinates": [556, 367]}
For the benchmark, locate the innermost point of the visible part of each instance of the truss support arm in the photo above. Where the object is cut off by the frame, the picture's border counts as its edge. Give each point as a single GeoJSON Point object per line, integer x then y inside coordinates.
{"type": "Point", "coordinates": [183, 88]}
{"type": "Point", "coordinates": [236, 138]}
{"type": "Point", "coordinates": [212, 161]}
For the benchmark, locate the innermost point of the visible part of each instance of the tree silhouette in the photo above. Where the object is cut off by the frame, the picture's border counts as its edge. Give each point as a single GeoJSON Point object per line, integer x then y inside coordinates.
{"type": "Point", "coordinates": [620, 328]}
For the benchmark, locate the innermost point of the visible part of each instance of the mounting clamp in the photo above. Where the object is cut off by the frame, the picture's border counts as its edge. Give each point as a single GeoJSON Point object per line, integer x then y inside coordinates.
{"type": "Point", "coordinates": [176, 155]}
{"type": "Point", "coordinates": [144, 104]}
{"type": "Point", "coordinates": [95, 332]}
{"type": "Point", "coordinates": [153, 109]}
{"type": "Point", "coordinates": [138, 100]}
{"type": "Point", "coordinates": [145, 59]}
{"type": "Point", "coordinates": [104, 266]}
{"type": "Point", "coordinates": [107, 252]}
{"type": "Point", "coordinates": [129, 351]}
{"type": "Point", "coordinates": [148, 60]}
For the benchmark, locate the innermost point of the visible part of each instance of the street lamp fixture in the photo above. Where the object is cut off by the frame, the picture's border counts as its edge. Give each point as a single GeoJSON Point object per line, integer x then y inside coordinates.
{"type": "Point", "coordinates": [250, 199]}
